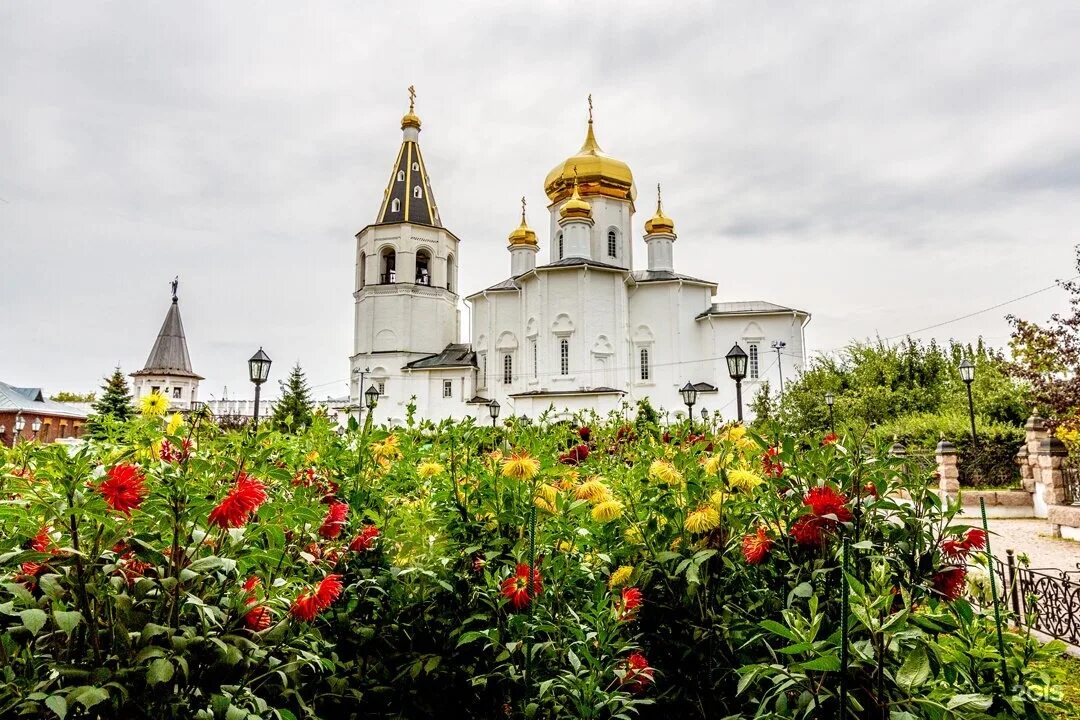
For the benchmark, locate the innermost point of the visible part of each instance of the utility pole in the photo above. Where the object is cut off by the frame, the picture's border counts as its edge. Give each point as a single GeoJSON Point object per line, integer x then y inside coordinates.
{"type": "Point", "coordinates": [360, 390]}
{"type": "Point", "coordinates": [779, 345]}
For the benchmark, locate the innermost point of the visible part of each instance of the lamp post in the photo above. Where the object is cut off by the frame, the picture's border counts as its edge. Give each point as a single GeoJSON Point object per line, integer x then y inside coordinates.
{"type": "Point", "coordinates": [967, 374]}
{"type": "Point", "coordinates": [36, 427]}
{"type": "Point", "coordinates": [689, 397]}
{"type": "Point", "coordinates": [704, 420]}
{"type": "Point", "coordinates": [493, 411]}
{"type": "Point", "coordinates": [830, 400]}
{"type": "Point", "coordinates": [779, 345]}
{"type": "Point", "coordinates": [736, 367]}
{"type": "Point", "coordinates": [3, 432]}
{"type": "Point", "coordinates": [20, 423]}
{"type": "Point", "coordinates": [258, 371]}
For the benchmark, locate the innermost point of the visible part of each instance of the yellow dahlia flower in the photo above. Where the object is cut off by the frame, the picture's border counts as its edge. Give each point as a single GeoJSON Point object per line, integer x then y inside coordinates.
{"type": "Point", "coordinates": [592, 490]}
{"type": "Point", "coordinates": [665, 472]}
{"type": "Point", "coordinates": [176, 421]}
{"type": "Point", "coordinates": [702, 520]}
{"type": "Point", "coordinates": [620, 576]}
{"type": "Point", "coordinates": [747, 445]}
{"type": "Point", "coordinates": [743, 480]}
{"type": "Point", "coordinates": [633, 535]}
{"type": "Point", "coordinates": [713, 463]}
{"type": "Point", "coordinates": [312, 456]}
{"type": "Point", "coordinates": [734, 434]}
{"type": "Point", "coordinates": [387, 449]}
{"type": "Point", "coordinates": [429, 468]}
{"type": "Point", "coordinates": [153, 405]}
{"type": "Point", "coordinates": [545, 497]}
{"type": "Point", "coordinates": [521, 466]}
{"type": "Point", "coordinates": [607, 511]}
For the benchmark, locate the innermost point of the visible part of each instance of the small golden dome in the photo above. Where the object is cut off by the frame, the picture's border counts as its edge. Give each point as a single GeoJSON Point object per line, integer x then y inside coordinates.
{"type": "Point", "coordinates": [522, 234]}
{"type": "Point", "coordinates": [600, 174]}
{"type": "Point", "coordinates": [411, 119]}
{"type": "Point", "coordinates": [575, 207]}
{"type": "Point", "coordinates": [659, 223]}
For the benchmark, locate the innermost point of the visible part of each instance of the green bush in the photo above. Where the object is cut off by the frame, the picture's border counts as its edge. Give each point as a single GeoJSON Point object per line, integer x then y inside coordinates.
{"type": "Point", "coordinates": [991, 463]}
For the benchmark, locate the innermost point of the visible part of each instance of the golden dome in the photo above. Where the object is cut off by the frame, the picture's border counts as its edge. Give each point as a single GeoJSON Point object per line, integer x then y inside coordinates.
{"type": "Point", "coordinates": [599, 173]}
{"type": "Point", "coordinates": [575, 207]}
{"type": "Point", "coordinates": [411, 119]}
{"type": "Point", "coordinates": [522, 234]}
{"type": "Point", "coordinates": [659, 223]}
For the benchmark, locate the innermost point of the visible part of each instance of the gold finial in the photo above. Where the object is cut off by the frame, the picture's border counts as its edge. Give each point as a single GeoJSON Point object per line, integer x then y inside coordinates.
{"type": "Point", "coordinates": [410, 120]}
{"type": "Point", "coordinates": [523, 234]}
{"type": "Point", "coordinates": [412, 98]}
{"type": "Point", "coordinates": [659, 223]}
{"type": "Point", "coordinates": [522, 208]}
{"type": "Point", "coordinates": [590, 107]}
{"type": "Point", "coordinates": [659, 203]}
{"type": "Point", "coordinates": [575, 207]}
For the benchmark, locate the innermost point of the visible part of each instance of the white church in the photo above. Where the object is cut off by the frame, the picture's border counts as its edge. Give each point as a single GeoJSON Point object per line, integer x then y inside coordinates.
{"type": "Point", "coordinates": [581, 328]}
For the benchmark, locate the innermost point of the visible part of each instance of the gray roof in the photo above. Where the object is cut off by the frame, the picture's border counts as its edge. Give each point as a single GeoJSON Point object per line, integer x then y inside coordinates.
{"type": "Point", "coordinates": [32, 400]}
{"type": "Point", "coordinates": [580, 261]}
{"type": "Point", "coordinates": [601, 390]}
{"type": "Point", "coordinates": [411, 209]}
{"type": "Point", "coordinates": [169, 355]}
{"type": "Point", "coordinates": [508, 284]}
{"type": "Point", "coordinates": [643, 276]}
{"type": "Point", "coordinates": [453, 355]}
{"type": "Point", "coordinates": [749, 307]}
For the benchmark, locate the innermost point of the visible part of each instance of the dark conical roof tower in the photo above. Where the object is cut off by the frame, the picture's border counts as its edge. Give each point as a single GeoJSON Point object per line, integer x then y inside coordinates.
{"type": "Point", "coordinates": [408, 197]}
{"type": "Point", "coordinates": [169, 356]}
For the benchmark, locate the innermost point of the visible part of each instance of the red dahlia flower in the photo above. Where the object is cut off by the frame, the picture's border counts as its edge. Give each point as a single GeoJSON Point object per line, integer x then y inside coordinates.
{"type": "Point", "coordinates": [584, 432]}
{"type": "Point", "coordinates": [311, 602]}
{"type": "Point", "coordinates": [635, 674]}
{"type": "Point", "coordinates": [807, 531]}
{"type": "Point", "coordinates": [975, 539]}
{"type": "Point", "coordinates": [365, 540]}
{"type": "Point", "coordinates": [769, 463]}
{"type": "Point", "coordinates": [629, 602]}
{"type": "Point", "coordinates": [950, 582]}
{"type": "Point", "coordinates": [171, 454]}
{"type": "Point", "coordinates": [305, 608]}
{"type": "Point", "coordinates": [243, 500]}
{"type": "Point", "coordinates": [830, 439]}
{"type": "Point", "coordinates": [335, 520]}
{"type": "Point", "coordinates": [755, 547]}
{"type": "Point", "coordinates": [956, 549]}
{"type": "Point", "coordinates": [575, 455]}
{"type": "Point", "coordinates": [516, 587]}
{"type": "Point", "coordinates": [826, 501]}
{"type": "Point", "coordinates": [42, 540]}
{"type": "Point", "coordinates": [258, 618]}
{"type": "Point", "coordinates": [124, 488]}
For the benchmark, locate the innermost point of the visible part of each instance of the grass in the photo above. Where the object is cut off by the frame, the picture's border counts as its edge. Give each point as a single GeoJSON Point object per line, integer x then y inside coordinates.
{"type": "Point", "coordinates": [1066, 670]}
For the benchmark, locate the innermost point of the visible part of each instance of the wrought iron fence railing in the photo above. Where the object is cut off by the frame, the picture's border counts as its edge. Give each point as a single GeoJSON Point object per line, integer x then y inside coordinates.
{"type": "Point", "coordinates": [1047, 599]}
{"type": "Point", "coordinates": [1070, 472]}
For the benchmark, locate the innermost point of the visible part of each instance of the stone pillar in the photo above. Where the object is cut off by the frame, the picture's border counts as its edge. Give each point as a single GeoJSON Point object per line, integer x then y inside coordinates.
{"type": "Point", "coordinates": [1050, 481]}
{"type": "Point", "coordinates": [898, 449]}
{"type": "Point", "coordinates": [948, 469]}
{"type": "Point", "coordinates": [1035, 431]}
{"type": "Point", "coordinates": [1027, 474]}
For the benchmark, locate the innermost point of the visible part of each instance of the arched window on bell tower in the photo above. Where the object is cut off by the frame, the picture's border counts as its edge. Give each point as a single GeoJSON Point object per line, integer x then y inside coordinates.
{"type": "Point", "coordinates": [387, 266]}
{"type": "Point", "coordinates": [612, 243]}
{"type": "Point", "coordinates": [561, 247]}
{"type": "Point", "coordinates": [423, 267]}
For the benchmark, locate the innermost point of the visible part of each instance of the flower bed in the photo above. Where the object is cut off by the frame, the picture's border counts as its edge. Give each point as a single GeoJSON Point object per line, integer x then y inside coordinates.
{"type": "Point", "coordinates": [178, 570]}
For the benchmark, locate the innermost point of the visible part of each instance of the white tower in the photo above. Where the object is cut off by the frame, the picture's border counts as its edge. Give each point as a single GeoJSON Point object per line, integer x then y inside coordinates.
{"type": "Point", "coordinates": [168, 368]}
{"type": "Point", "coordinates": [659, 237]}
{"type": "Point", "coordinates": [575, 226]}
{"type": "Point", "coordinates": [406, 298]}
{"type": "Point", "coordinates": [522, 246]}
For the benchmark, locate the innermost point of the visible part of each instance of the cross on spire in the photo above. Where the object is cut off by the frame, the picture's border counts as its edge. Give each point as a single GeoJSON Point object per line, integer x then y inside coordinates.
{"type": "Point", "coordinates": [175, 282]}
{"type": "Point", "coordinates": [412, 98]}
{"type": "Point", "coordinates": [522, 208]}
{"type": "Point", "coordinates": [590, 107]}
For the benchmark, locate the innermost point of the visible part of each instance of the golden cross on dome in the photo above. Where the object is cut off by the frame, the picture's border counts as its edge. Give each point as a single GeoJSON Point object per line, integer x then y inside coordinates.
{"type": "Point", "coordinates": [522, 208]}
{"type": "Point", "coordinates": [412, 98]}
{"type": "Point", "coordinates": [590, 107]}
{"type": "Point", "coordinates": [658, 203]}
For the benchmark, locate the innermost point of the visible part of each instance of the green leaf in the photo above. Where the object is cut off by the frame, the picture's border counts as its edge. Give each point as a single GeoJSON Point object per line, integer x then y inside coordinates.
{"type": "Point", "coordinates": [90, 696]}
{"type": "Point", "coordinates": [161, 670]}
{"type": "Point", "coordinates": [970, 701]}
{"type": "Point", "coordinates": [915, 671]}
{"type": "Point", "coordinates": [33, 620]}
{"type": "Point", "coordinates": [67, 620]}
{"type": "Point", "coordinates": [825, 663]}
{"type": "Point", "coordinates": [777, 629]}
{"type": "Point", "coordinates": [575, 662]}
{"type": "Point", "coordinates": [58, 705]}
{"type": "Point", "coordinates": [803, 590]}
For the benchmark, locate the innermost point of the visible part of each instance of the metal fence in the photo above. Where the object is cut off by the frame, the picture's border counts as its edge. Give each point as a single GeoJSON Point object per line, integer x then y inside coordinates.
{"type": "Point", "coordinates": [1070, 472]}
{"type": "Point", "coordinates": [1048, 597]}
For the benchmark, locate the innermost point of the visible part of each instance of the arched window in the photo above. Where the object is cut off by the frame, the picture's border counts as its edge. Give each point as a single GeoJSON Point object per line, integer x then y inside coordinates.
{"type": "Point", "coordinates": [508, 369]}
{"type": "Point", "coordinates": [612, 244]}
{"type": "Point", "coordinates": [401, 176]}
{"type": "Point", "coordinates": [644, 361]}
{"type": "Point", "coordinates": [416, 167]}
{"type": "Point", "coordinates": [564, 357]}
{"type": "Point", "coordinates": [560, 246]}
{"type": "Point", "coordinates": [395, 205]}
{"type": "Point", "coordinates": [535, 358]}
{"type": "Point", "coordinates": [388, 266]}
{"type": "Point", "coordinates": [363, 269]}
{"type": "Point", "coordinates": [423, 267]}
{"type": "Point", "coordinates": [416, 192]}
{"type": "Point", "coordinates": [450, 273]}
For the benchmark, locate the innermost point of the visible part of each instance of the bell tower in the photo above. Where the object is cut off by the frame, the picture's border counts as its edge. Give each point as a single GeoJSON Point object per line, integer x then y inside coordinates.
{"type": "Point", "coordinates": [406, 289]}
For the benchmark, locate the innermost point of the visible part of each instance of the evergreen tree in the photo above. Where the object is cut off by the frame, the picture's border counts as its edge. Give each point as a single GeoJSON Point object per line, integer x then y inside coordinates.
{"type": "Point", "coordinates": [115, 405]}
{"type": "Point", "coordinates": [293, 410]}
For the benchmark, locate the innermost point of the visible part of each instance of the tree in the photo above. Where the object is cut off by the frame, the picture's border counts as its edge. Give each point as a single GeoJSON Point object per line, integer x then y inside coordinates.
{"type": "Point", "coordinates": [115, 405]}
{"type": "Point", "coordinates": [1048, 357]}
{"type": "Point", "coordinates": [293, 410]}
{"type": "Point", "coordinates": [764, 405]}
{"type": "Point", "coordinates": [65, 396]}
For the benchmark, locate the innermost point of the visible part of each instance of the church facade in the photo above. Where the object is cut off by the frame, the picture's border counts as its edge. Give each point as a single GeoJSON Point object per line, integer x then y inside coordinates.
{"type": "Point", "coordinates": [581, 329]}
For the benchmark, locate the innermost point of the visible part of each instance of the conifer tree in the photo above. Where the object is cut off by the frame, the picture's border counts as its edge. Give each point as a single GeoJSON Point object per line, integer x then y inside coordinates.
{"type": "Point", "coordinates": [115, 403]}
{"type": "Point", "coordinates": [293, 409]}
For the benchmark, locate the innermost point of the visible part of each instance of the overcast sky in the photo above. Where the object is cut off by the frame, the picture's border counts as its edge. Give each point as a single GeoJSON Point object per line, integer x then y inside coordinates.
{"type": "Point", "coordinates": [884, 166]}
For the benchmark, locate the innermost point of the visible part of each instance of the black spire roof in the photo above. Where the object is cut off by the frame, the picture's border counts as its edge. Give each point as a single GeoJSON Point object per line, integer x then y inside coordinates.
{"type": "Point", "coordinates": [408, 195]}
{"type": "Point", "coordinates": [169, 355]}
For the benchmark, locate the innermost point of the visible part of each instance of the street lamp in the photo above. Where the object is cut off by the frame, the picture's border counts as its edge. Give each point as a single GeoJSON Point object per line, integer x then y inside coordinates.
{"type": "Point", "coordinates": [830, 400]}
{"type": "Point", "coordinates": [778, 346]}
{"type": "Point", "coordinates": [371, 395]}
{"type": "Point", "coordinates": [967, 374]}
{"type": "Point", "coordinates": [36, 427]}
{"type": "Point", "coordinates": [258, 371]}
{"type": "Point", "coordinates": [493, 411]}
{"type": "Point", "coordinates": [20, 423]}
{"type": "Point", "coordinates": [689, 397]}
{"type": "Point", "coordinates": [736, 367]}
{"type": "Point", "coordinates": [704, 418]}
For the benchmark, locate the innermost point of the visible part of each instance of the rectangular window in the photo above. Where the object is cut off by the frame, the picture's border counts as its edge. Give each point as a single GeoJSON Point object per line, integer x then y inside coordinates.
{"type": "Point", "coordinates": [176, 393]}
{"type": "Point", "coordinates": [483, 369]}
{"type": "Point", "coordinates": [508, 369]}
{"type": "Point", "coordinates": [447, 388]}
{"type": "Point", "coordinates": [382, 387]}
{"type": "Point", "coordinates": [535, 359]}
{"type": "Point", "coordinates": [155, 389]}
{"type": "Point", "coordinates": [564, 357]}
{"type": "Point", "coordinates": [752, 365]}
{"type": "Point", "coordinates": [644, 359]}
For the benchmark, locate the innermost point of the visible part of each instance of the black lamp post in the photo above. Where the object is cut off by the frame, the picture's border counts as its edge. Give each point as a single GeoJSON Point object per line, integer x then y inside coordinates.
{"type": "Point", "coordinates": [689, 397]}
{"type": "Point", "coordinates": [258, 371]}
{"type": "Point", "coordinates": [736, 367]}
{"type": "Point", "coordinates": [967, 374]}
{"type": "Point", "coordinates": [20, 423]}
{"type": "Point", "coordinates": [371, 397]}
{"type": "Point", "coordinates": [704, 420]}
{"type": "Point", "coordinates": [830, 400]}
{"type": "Point", "coordinates": [493, 411]}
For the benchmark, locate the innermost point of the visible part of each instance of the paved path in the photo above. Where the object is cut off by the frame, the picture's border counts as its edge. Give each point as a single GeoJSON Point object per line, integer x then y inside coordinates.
{"type": "Point", "coordinates": [1032, 537]}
